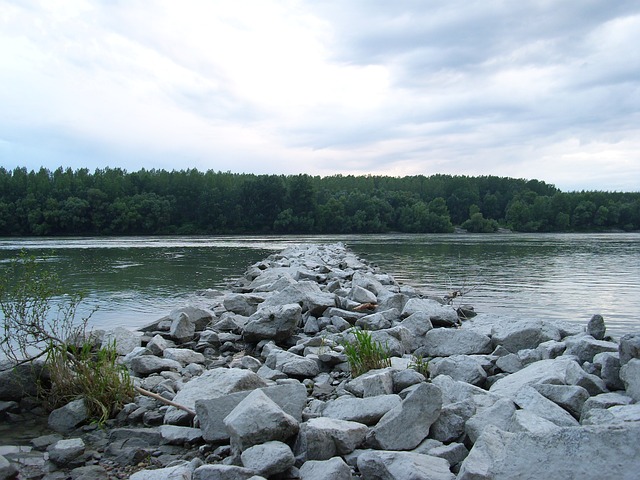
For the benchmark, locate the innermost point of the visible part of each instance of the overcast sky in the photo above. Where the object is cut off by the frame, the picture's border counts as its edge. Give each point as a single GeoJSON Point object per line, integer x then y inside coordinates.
{"type": "Point", "coordinates": [546, 89]}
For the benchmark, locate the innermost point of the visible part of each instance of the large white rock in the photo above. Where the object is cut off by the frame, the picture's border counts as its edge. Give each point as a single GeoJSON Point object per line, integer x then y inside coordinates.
{"type": "Point", "coordinates": [611, 451]}
{"type": "Point", "coordinates": [444, 342]}
{"type": "Point", "coordinates": [406, 425]}
{"type": "Point", "coordinates": [530, 399]}
{"type": "Point", "coordinates": [543, 371]}
{"type": "Point", "coordinates": [498, 415]}
{"type": "Point", "coordinates": [381, 465]}
{"type": "Point", "coordinates": [273, 323]}
{"type": "Point", "coordinates": [523, 334]}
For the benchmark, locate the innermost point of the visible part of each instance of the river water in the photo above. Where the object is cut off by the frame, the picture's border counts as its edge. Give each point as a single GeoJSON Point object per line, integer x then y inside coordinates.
{"type": "Point", "coordinates": [135, 280]}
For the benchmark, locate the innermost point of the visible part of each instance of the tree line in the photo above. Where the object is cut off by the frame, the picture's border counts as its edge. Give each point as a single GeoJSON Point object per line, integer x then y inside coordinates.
{"type": "Point", "coordinates": [112, 201]}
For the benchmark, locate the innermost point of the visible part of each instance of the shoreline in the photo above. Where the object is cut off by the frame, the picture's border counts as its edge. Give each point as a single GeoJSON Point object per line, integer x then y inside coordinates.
{"type": "Point", "coordinates": [275, 343]}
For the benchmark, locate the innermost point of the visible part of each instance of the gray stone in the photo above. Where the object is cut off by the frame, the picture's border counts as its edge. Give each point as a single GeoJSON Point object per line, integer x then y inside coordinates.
{"type": "Point", "coordinates": [217, 382]}
{"type": "Point", "coordinates": [575, 375]}
{"type": "Point", "coordinates": [305, 293]}
{"type": "Point", "coordinates": [241, 303]}
{"type": "Point", "coordinates": [199, 317]}
{"type": "Point", "coordinates": [418, 324]}
{"type": "Point", "coordinates": [510, 363]}
{"type": "Point", "coordinates": [362, 295]}
{"type": "Point", "coordinates": [125, 340]}
{"type": "Point", "coordinates": [375, 382]}
{"type": "Point", "coordinates": [9, 471]}
{"type": "Point", "coordinates": [258, 419]}
{"type": "Point", "coordinates": [596, 327]}
{"type": "Point", "coordinates": [603, 401]}
{"type": "Point", "coordinates": [148, 436]}
{"type": "Point", "coordinates": [543, 371]}
{"type": "Point", "coordinates": [551, 349]}
{"type": "Point", "coordinates": [406, 425]}
{"type": "Point", "coordinates": [322, 438]}
{"type": "Point", "coordinates": [498, 415]}
{"type": "Point", "coordinates": [66, 418]}
{"type": "Point", "coordinates": [585, 347]}
{"type": "Point", "coordinates": [292, 398]}
{"type": "Point", "coordinates": [451, 422]}
{"type": "Point", "coordinates": [147, 364]}
{"type": "Point", "coordinates": [572, 452]}
{"type": "Point", "coordinates": [222, 472]}
{"type": "Point", "coordinates": [454, 453]}
{"type": "Point", "coordinates": [630, 375]}
{"type": "Point", "coordinates": [182, 328]}
{"type": "Point", "coordinates": [454, 391]}
{"type": "Point", "coordinates": [367, 410]}
{"type": "Point", "coordinates": [269, 458]}
{"type": "Point", "coordinates": [609, 365]}
{"type": "Point", "coordinates": [569, 397]}
{"type": "Point", "coordinates": [459, 367]}
{"type": "Point", "coordinates": [88, 472]}
{"type": "Point", "coordinates": [444, 342]}
{"type": "Point", "coordinates": [64, 451]}
{"type": "Point", "coordinates": [18, 381]}
{"type": "Point", "coordinates": [613, 415]}
{"type": "Point", "coordinates": [439, 315]}
{"type": "Point", "coordinates": [184, 356]}
{"type": "Point", "coordinates": [527, 421]}
{"type": "Point", "coordinates": [158, 344]}
{"type": "Point", "coordinates": [177, 435]}
{"type": "Point", "coordinates": [376, 465]}
{"type": "Point", "coordinates": [530, 399]}
{"type": "Point", "coordinates": [182, 471]}
{"type": "Point", "coordinates": [291, 364]}
{"type": "Point", "coordinates": [523, 334]}
{"type": "Point", "coordinates": [629, 347]}
{"type": "Point", "coordinates": [277, 323]}
{"type": "Point", "coordinates": [378, 320]}
{"type": "Point", "coordinates": [368, 281]}
{"type": "Point", "coordinates": [405, 378]}
{"type": "Point", "coordinates": [333, 468]}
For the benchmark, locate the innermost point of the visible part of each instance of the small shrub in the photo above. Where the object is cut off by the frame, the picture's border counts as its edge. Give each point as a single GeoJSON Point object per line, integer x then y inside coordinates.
{"type": "Point", "coordinates": [420, 365]}
{"type": "Point", "coordinates": [365, 354]}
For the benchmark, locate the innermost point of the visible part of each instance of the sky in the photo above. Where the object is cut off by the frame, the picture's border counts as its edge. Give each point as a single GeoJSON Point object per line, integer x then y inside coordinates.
{"type": "Point", "coordinates": [546, 90]}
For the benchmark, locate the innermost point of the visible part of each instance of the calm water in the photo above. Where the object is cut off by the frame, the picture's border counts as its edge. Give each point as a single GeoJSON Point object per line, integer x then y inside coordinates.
{"type": "Point", "coordinates": [136, 280]}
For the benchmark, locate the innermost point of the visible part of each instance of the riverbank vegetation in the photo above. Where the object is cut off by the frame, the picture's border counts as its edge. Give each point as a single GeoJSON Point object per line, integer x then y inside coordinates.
{"type": "Point", "coordinates": [147, 202]}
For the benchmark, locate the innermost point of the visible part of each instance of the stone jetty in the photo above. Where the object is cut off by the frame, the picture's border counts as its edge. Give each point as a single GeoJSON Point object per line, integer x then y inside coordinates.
{"type": "Point", "coordinates": [265, 370]}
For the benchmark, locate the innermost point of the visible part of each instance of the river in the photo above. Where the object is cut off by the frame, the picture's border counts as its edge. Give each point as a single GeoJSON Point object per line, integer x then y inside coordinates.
{"type": "Point", "coordinates": [135, 280]}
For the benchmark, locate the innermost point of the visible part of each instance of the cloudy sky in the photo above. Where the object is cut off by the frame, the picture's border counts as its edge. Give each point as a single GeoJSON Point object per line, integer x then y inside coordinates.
{"type": "Point", "coordinates": [529, 89]}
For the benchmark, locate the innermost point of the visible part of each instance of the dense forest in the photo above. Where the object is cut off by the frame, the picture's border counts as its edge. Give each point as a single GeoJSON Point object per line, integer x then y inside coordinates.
{"type": "Point", "coordinates": [112, 201]}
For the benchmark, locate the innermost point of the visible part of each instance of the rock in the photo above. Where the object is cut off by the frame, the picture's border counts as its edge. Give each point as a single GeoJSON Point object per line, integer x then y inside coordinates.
{"type": "Point", "coordinates": [184, 356]}
{"type": "Point", "coordinates": [612, 415]}
{"type": "Point", "coordinates": [609, 365]}
{"type": "Point", "coordinates": [182, 328]}
{"type": "Point", "coordinates": [222, 472]}
{"type": "Point", "coordinates": [305, 293]}
{"type": "Point", "coordinates": [144, 365]}
{"type": "Point", "coordinates": [453, 453]}
{"type": "Point", "coordinates": [89, 472]}
{"type": "Point", "coordinates": [176, 435]}
{"type": "Point", "coordinates": [407, 424]}
{"type": "Point", "coordinates": [363, 410]}
{"type": "Point", "coordinates": [217, 382]}
{"type": "Point", "coordinates": [64, 452]}
{"type": "Point", "coordinates": [291, 398]}
{"type": "Point", "coordinates": [596, 327]}
{"type": "Point", "coordinates": [572, 452]}
{"type": "Point", "coordinates": [455, 391]}
{"type": "Point", "coordinates": [585, 347]}
{"type": "Point", "coordinates": [158, 344]}
{"type": "Point", "coordinates": [603, 401]}
{"type": "Point", "coordinates": [498, 415]}
{"type": "Point", "coordinates": [630, 375]}
{"type": "Point", "coordinates": [362, 295]}
{"type": "Point", "coordinates": [418, 324]}
{"type": "Point", "coordinates": [406, 377]}
{"type": "Point", "coordinates": [575, 375]}
{"type": "Point", "coordinates": [372, 383]}
{"type": "Point", "coordinates": [322, 438]}
{"type": "Point", "coordinates": [459, 367]}
{"type": "Point", "coordinates": [510, 363]}
{"type": "Point", "coordinates": [569, 397]}
{"type": "Point", "coordinates": [241, 303]}
{"type": "Point", "coordinates": [273, 323]}
{"type": "Point", "coordinates": [530, 399]}
{"type": "Point", "coordinates": [258, 419]}
{"type": "Point", "coordinates": [18, 381]}
{"type": "Point", "coordinates": [528, 421]}
{"type": "Point", "coordinates": [125, 340]}
{"type": "Point", "coordinates": [439, 315]}
{"type": "Point", "coordinates": [269, 458]}
{"type": "Point", "coordinates": [183, 471]}
{"type": "Point", "coordinates": [543, 371]}
{"type": "Point", "coordinates": [291, 364]}
{"type": "Point", "coordinates": [378, 320]}
{"type": "Point", "coordinates": [444, 342]}
{"type": "Point", "coordinates": [199, 317]}
{"type": "Point", "coordinates": [450, 424]}
{"type": "Point", "coordinates": [629, 347]}
{"type": "Point", "coordinates": [333, 468]}
{"type": "Point", "coordinates": [523, 334]}
{"type": "Point", "coordinates": [402, 466]}
{"type": "Point", "coordinates": [9, 471]}
{"type": "Point", "coordinates": [66, 418]}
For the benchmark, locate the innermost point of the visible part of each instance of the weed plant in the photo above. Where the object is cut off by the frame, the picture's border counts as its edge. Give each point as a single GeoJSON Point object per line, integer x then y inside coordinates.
{"type": "Point", "coordinates": [364, 353]}
{"type": "Point", "coordinates": [420, 365]}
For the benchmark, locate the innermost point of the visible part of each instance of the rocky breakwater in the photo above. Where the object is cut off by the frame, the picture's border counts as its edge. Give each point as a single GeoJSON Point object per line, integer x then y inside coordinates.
{"type": "Point", "coordinates": [259, 386]}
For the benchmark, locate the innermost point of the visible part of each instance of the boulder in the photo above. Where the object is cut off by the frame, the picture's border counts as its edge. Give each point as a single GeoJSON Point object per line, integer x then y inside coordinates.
{"type": "Point", "coordinates": [258, 419]}
{"type": "Point", "coordinates": [608, 363]}
{"type": "Point", "coordinates": [612, 415]}
{"type": "Point", "coordinates": [498, 415]}
{"type": "Point", "coordinates": [333, 468]}
{"type": "Point", "coordinates": [585, 347]}
{"type": "Point", "coordinates": [444, 342]}
{"type": "Point", "coordinates": [182, 471]}
{"type": "Point", "coordinates": [269, 458]}
{"type": "Point", "coordinates": [273, 323]}
{"type": "Point", "coordinates": [459, 367]}
{"type": "Point", "coordinates": [402, 466]}
{"type": "Point", "coordinates": [450, 424]}
{"type": "Point", "coordinates": [158, 344]}
{"type": "Point", "coordinates": [64, 452]}
{"type": "Point", "coordinates": [543, 371]}
{"type": "Point", "coordinates": [372, 383]}
{"type": "Point", "coordinates": [629, 347]}
{"type": "Point", "coordinates": [407, 424]}
{"type": "Point", "coordinates": [184, 356]}
{"type": "Point", "coordinates": [242, 303]}
{"type": "Point", "coordinates": [304, 293]}
{"type": "Point", "coordinates": [125, 340]}
{"type": "Point", "coordinates": [603, 401]}
{"type": "Point", "coordinates": [523, 334]}
{"type": "Point", "coordinates": [610, 451]}
{"type": "Point", "coordinates": [199, 317]}
{"type": "Point", "coordinates": [454, 453]}
{"type": "Point", "coordinates": [176, 435]}
{"type": "Point", "coordinates": [291, 398]}
{"type": "Point", "coordinates": [530, 399]}
{"type": "Point", "coordinates": [322, 438]}
{"type": "Point", "coordinates": [569, 397]}
{"type": "Point", "coordinates": [418, 324]}
{"type": "Point", "coordinates": [144, 365]}
{"type": "Point", "coordinates": [291, 364]}
{"type": "Point", "coordinates": [222, 472]}
{"type": "Point", "coordinates": [455, 391]}
{"type": "Point", "coordinates": [378, 320]}
{"type": "Point", "coordinates": [596, 327]}
{"type": "Point", "coordinates": [527, 421]}
{"type": "Point", "coordinates": [439, 315]}
{"type": "Point", "coordinates": [68, 417]}
{"type": "Point", "coordinates": [367, 410]}
{"type": "Point", "coordinates": [18, 381]}
{"type": "Point", "coordinates": [9, 471]}
{"type": "Point", "coordinates": [630, 375]}
{"type": "Point", "coordinates": [362, 295]}
{"type": "Point", "coordinates": [182, 328]}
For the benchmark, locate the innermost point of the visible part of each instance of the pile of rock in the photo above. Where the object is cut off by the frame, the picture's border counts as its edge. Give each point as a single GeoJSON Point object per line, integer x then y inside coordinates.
{"type": "Point", "coordinates": [264, 370]}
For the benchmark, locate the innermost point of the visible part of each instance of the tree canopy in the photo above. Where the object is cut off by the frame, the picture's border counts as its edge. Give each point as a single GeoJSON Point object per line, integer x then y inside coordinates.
{"type": "Point", "coordinates": [113, 201]}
